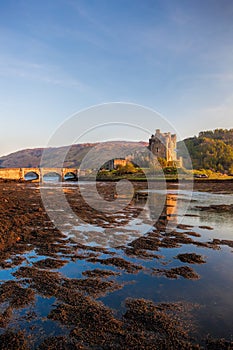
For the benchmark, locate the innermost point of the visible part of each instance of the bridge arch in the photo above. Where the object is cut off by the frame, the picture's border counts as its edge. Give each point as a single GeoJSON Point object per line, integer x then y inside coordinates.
{"type": "Point", "coordinates": [70, 176]}
{"type": "Point", "coordinates": [52, 176]}
{"type": "Point", "coordinates": [31, 175]}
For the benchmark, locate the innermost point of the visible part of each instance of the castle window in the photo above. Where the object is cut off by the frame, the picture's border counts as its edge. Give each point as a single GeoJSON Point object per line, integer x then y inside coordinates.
{"type": "Point", "coordinates": [157, 149]}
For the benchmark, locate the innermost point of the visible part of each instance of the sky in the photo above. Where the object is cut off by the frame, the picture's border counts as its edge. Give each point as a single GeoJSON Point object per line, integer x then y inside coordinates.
{"type": "Point", "coordinates": [60, 57]}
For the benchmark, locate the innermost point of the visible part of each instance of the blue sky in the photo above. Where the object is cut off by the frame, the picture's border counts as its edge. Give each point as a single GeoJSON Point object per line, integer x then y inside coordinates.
{"type": "Point", "coordinates": [57, 57]}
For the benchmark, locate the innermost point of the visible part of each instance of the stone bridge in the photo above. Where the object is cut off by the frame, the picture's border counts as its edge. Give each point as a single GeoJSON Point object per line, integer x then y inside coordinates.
{"type": "Point", "coordinates": [39, 173]}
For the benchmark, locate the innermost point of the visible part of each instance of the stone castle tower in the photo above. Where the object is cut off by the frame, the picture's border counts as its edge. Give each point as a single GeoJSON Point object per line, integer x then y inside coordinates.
{"type": "Point", "coordinates": [163, 145]}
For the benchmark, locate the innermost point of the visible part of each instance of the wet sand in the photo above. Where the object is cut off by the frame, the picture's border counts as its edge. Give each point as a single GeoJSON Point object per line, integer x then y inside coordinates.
{"type": "Point", "coordinates": [26, 233]}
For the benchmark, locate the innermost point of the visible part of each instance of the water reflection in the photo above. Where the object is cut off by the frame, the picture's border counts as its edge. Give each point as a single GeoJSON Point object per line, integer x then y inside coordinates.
{"type": "Point", "coordinates": [121, 228]}
{"type": "Point", "coordinates": [169, 213]}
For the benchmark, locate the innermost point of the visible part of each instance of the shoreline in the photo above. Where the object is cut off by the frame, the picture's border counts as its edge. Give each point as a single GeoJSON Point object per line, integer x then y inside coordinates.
{"type": "Point", "coordinates": [168, 180]}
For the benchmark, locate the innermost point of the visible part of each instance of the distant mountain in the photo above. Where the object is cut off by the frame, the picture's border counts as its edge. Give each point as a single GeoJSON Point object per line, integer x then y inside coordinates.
{"type": "Point", "coordinates": [210, 150]}
{"type": "Point", "coordinates": [30, 158]}
{"type": "Point", "coordinates": [27, 157]}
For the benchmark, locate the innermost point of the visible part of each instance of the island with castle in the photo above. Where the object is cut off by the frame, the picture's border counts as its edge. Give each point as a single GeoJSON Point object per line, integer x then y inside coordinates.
{"type": "Point", "coordinates": [162, 145]}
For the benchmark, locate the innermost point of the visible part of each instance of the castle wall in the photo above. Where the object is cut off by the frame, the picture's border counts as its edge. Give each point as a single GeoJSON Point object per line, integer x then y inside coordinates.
{"type": "Point", "coordinates": [114, 163]}
{"type": "Point", "coordinates": [158, 148]}
{"type": "Point", "coordinates": [163, 145]}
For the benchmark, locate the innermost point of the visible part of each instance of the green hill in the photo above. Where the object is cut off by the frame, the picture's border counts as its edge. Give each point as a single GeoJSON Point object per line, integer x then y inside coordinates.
{"type": "Point", "coordinates": [211, 150]}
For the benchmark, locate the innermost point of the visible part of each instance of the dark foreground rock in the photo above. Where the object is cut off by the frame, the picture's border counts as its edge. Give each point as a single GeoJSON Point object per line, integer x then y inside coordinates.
{"type": "Point", "coordinates": [191, 258]}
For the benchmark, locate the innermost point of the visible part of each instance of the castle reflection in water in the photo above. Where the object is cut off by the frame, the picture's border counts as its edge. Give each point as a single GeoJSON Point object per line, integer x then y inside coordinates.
{"type": "Point", "coordinates": [169, 213]}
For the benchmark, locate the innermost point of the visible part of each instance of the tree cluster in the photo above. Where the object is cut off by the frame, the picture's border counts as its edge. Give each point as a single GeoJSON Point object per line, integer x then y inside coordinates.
{"type": "Point", "coordinates": [212, 150]}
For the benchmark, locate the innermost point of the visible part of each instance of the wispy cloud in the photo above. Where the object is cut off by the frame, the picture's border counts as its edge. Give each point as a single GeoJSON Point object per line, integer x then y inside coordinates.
{"type": "Point", "coordinates": [10, 67]}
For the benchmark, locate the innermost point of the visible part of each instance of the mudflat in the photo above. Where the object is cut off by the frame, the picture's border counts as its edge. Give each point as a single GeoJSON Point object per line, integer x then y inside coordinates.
{"type": "Point", "coordinates": [53, 287]}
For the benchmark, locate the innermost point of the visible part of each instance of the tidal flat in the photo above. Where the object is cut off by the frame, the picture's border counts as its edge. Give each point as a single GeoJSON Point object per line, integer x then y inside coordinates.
{"type": "Point", "coordinates": [107, 279]}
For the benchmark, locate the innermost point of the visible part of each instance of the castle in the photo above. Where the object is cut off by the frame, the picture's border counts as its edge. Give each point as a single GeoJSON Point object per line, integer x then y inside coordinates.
{"type": "Point", "coordinates": [163, 145]}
